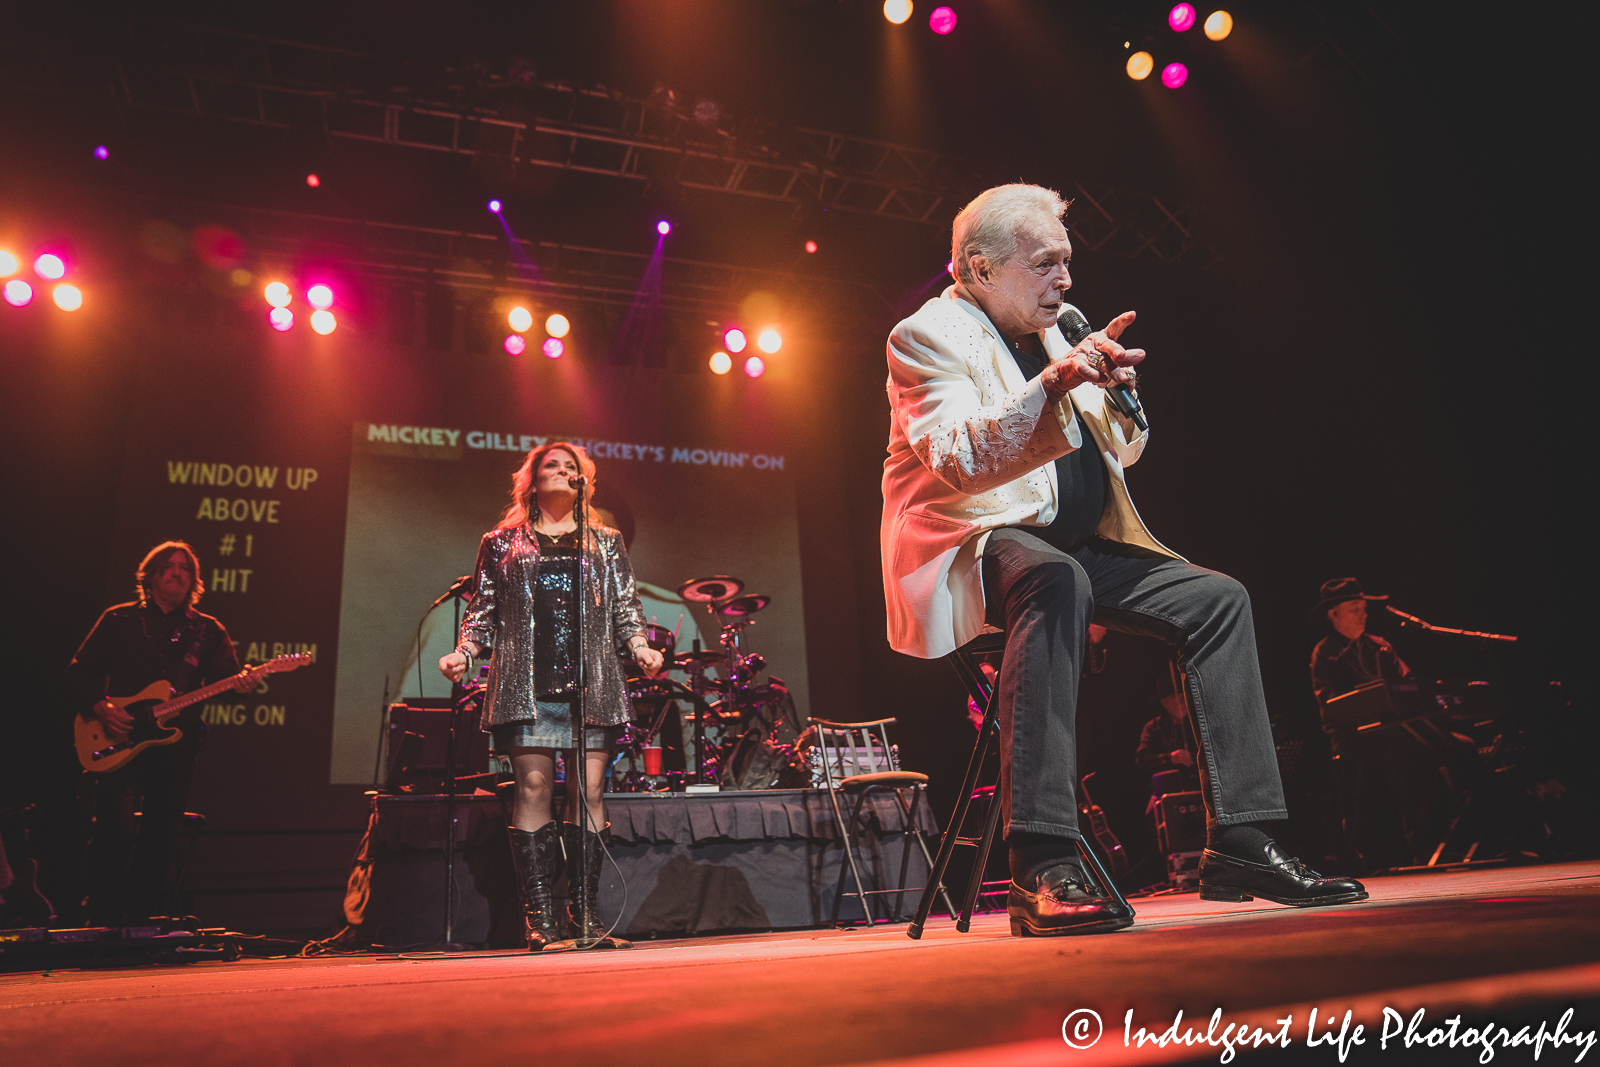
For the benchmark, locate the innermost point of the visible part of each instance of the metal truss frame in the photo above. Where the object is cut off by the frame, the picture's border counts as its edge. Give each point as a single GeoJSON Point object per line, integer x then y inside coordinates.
{"type": "Point", "coordinates": [525, 123]}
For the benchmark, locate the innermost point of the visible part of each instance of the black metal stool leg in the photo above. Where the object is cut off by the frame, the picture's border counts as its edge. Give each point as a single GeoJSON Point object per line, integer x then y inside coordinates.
{"type": "Point", "coordinates": [948, 841]}
{"type": "Point", "coordinates": [991, 828]}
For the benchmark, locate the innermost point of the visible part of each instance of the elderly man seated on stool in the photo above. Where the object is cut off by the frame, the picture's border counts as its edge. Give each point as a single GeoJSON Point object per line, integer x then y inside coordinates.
{"type": "Point", "coordinates": [1004, 504]}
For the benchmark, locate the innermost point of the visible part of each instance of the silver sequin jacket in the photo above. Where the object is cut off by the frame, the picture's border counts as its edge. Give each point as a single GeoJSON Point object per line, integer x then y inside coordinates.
{"type": "Point", "coordinates": [501, 617]}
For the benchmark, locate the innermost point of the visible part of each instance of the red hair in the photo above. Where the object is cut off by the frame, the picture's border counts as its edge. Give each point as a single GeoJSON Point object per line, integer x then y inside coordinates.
{"type": "Point", "coordinates": [522, 491]}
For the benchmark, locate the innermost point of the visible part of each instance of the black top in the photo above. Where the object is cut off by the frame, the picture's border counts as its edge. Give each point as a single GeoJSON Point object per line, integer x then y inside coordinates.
{"type": "Point", "coordinates": [132, 646]}
{"type": "Point", "coordinates": [1080, 474]}
{"type": "Point", "coordinates": [1339, 664]}
{"type": "Point", "coordinates": [555, 616]}
{"type": "Point", "coordinates": [1161, 737]}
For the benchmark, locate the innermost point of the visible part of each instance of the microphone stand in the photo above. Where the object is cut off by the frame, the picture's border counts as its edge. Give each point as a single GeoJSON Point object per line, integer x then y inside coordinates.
{"type": "Point", "coordinates": [1412, 620]}
{"type": "Point", "coordinates": [460, 696]}
{"type": "Point", "coordinates": [580, 726]}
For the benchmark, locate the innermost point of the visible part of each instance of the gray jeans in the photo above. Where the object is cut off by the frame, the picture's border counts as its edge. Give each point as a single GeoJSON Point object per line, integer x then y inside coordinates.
{"type": "Point", "coordinates": [1045, 598]}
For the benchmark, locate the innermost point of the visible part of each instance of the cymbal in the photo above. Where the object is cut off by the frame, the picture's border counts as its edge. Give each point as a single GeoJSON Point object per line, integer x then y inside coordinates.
{"type": "Point", "coordinates": [707, 656]}
{"type": "Point", "coordinates": [745, 605]}
{"type": "Point", "coordinates": [710, 590]}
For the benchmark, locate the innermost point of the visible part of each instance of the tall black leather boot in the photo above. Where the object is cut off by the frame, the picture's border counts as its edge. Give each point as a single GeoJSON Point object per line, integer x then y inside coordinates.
{"type": "Point", "coordinates": [537, 856]}
{"type": "Point", "coordinates": [584, 892]}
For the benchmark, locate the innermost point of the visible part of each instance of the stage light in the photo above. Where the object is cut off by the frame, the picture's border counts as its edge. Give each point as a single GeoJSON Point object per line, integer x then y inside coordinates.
{"type": "Point", "coordinates": [552, 347]}
{"type": "Point", "coordinates": [8, 264]}
{"type": "Point", "coordinates": [101, 152]}
{"type": "Point", "coordinates": [520, 318]}
{"type": "Point", "coordinates": [18, 292]}
{"type": "Point", "coordinates": [277, 294]}
{"type": "Point", "coordinates": [811, 246]}
{"type": "Point", "coordinates": [755, 366]}
{"type": "Point", "coordinates": [281, 318]}
{"type": "Point", "coordinates": [942, 21]}
{"type": "Point", "coordinates": [897, 11]}
{"type": "Point", "coordinates": [49, 266]}
{"type": "Point", "coordinates": [1174, 75]}
{"type": "Point", "coordinates": [313, 181]}
{"type": "Point", "coordinates": [769, 341]}
{"type": "Point", "coordinates": [321, 298]}
{"type": "Point", "coordinates": [494, 206]}
{"type": "Point", "coordinates": [515, 344]}
{"type": "Point", "coordinates": [557, 326]}
{"type": "Point", "coordinates": [1181, 17]}
{"type": "Point", "coordinates": [67, 297]}
{"type": "Point", "coordinates": [734, 341]}
{"type": "Point", "coordinates": [1218, 25]}
{"type": "Point", "coordinates": [721, 363]}
{"type": "Point", "coordinates": [323, 322]}
{"type": "Point", "coordinates": [663, 227]}
{"type": "Point", "coordinates": [1140, 64]}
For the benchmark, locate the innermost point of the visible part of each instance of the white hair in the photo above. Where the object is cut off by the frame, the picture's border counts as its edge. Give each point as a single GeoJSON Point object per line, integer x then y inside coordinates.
{"type": "Point", "coordinates": [989, 225]}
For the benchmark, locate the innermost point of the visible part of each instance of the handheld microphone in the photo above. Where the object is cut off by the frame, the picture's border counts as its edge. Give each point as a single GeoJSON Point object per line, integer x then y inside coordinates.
{"type": "Point", "coordinates": [1074, 327]}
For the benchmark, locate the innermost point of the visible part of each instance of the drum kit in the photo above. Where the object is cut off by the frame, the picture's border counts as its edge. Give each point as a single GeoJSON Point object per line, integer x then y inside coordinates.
{"type": "Point", "coordinates": [732, 726]}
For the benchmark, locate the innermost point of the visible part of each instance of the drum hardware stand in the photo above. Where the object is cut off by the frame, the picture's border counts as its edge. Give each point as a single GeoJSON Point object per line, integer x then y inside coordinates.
{"type": "Point", "coordinates": [580, 726]}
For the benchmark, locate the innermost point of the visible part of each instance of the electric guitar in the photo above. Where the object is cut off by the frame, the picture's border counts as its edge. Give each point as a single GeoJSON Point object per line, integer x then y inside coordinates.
{"type": "Point", "coordinates": [151, 707]}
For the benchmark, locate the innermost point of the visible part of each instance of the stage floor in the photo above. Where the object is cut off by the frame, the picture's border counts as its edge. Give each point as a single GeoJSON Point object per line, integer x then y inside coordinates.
{"type": "Point", "coordinates": [1508, 946]}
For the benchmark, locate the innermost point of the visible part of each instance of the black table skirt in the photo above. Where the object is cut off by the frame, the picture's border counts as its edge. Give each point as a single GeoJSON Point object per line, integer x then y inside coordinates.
{"type": "Point", "coordinates": [684, 864]}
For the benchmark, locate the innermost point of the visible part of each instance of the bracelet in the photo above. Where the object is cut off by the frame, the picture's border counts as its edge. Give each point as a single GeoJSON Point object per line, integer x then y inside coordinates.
{"type": "Point", "coordinates": [633, 647]}
{"type": "Point", "coordinates": [467, 653]}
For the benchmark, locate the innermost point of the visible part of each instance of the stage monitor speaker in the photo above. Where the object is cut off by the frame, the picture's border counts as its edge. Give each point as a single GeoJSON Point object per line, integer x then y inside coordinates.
{"type": "Point", "coordinates": [1181, 822]}
{"type": "Point", "coordinates": [430, 718]}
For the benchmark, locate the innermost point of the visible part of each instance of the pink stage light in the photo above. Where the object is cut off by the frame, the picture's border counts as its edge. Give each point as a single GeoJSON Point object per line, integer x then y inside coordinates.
{"type": "Point", "coordinates": [280, 318]}
{"type": "Point", "coordinates": [663, 227]}
{"type": "Point", "coordinates": [942, 21]}
{"type": "Point", "coordinates": [734, 341]}
{"type": "Point", "coordinates": [320, 297]}
{"type": "Point", "coordinates": [755, 366]}
{"type": "Point", "coordinates": [553, 347]}
{"type": "Point", "coordinates": [1181, 17]}
{"type": "Point", "coordinates": [494, 206]}
{"type": "Point", "coordinates": [313, 181]}
{"type": "Point", "coordinates": [101, 152]}
{"type": "Point", "coordinates": [49, 266]}
{"type": "Point", "coordinates": [811, 247]}
{"type": "Point", "coordinates": [18, 293]}
{"type": "Point", "coordinates": [721, 363]}
{"type": "Point", "coordinates": [1174, 75]}
{"type": "Point", "coordinates": [515, 344]}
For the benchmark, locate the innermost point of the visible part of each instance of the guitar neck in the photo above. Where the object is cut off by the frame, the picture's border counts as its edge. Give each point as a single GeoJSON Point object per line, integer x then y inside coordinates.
{"type": "Point", "coordinates": [177, 704]}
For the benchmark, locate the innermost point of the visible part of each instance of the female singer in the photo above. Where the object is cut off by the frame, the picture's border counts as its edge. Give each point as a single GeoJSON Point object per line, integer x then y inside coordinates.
{"type": "Point", "coordinates": [525, 609]}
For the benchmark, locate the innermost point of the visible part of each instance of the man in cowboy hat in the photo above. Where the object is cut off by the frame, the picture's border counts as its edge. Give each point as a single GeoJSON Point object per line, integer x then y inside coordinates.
{"type": "Point", "coordinates": [1349, 656]}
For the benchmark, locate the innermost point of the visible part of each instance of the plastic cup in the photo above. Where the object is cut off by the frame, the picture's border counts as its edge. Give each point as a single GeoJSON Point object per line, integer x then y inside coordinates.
{"type": "Point", "coordinates": [652, 759]}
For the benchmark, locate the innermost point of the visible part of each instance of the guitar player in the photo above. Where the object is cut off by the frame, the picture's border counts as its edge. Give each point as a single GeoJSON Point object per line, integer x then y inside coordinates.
{"type": "Point", "coordinates": [158, 637]}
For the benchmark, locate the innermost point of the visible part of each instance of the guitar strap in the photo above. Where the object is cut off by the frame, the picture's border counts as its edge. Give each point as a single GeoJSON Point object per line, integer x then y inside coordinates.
{"type": "Point", "coordinates": [191, 656]}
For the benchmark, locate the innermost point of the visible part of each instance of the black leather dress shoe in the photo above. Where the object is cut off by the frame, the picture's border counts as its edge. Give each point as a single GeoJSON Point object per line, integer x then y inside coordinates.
{"type": "Point", "coordinates": [1282, 879]}
{"type": "Point", "coordinates": [1063, 905]}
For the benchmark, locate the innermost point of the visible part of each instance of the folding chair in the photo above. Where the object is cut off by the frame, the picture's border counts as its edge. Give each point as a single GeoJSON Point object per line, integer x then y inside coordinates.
{"type": "Point", "coordinates": [858, 761]}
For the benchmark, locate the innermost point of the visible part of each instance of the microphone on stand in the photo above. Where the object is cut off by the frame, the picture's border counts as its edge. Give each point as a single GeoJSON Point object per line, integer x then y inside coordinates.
{"type": "Point", "coordinates": [455, 587]}
{"type": "Point", "coordinates": [1074, 327]}
{"type": "Point", "coordinates": [577, 483]}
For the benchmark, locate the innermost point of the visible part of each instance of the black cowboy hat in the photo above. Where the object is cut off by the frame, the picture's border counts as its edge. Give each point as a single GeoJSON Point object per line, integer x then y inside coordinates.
{"type": "Point", "coordinates": [1337, 591]}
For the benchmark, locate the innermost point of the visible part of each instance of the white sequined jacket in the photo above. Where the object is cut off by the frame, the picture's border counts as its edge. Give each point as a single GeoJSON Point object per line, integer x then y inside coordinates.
{"type": "Point", "coordinates": [971, 450]}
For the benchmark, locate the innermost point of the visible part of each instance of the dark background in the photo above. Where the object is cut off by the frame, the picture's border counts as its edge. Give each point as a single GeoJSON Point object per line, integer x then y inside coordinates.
{"type": "Point", "coordinates": [1377, 379]}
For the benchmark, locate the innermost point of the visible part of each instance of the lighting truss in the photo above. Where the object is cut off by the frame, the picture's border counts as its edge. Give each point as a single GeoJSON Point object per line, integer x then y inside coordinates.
{"type": "Point", "coordinates": [591, 130]}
